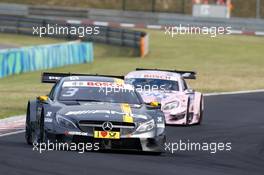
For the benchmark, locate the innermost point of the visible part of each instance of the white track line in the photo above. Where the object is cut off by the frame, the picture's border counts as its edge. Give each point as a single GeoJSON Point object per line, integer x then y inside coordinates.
{"type": "Point", "coordinates": [234, 93]}
{"type": "Point", "coordinates": [12, 133]}
{"type": "Point", "coordinates": [236, 32]}
{"type": "Point", "coordinates": [12, 119]}
{"type": "Point", "coordinates": [259, 33]}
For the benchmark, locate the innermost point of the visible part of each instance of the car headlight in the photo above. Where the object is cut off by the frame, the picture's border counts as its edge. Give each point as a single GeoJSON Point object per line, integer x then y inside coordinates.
{"type": "Point", "coordinates": [146, 126]}
{"type": "Point", "coordinates": [172, 105]}
{"type": "Point", "coordinates": [66, 123]}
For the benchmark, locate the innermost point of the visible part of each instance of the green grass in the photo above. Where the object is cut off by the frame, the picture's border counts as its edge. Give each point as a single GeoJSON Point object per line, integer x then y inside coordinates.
{"type": "Point", "coordinates": [224, 63]}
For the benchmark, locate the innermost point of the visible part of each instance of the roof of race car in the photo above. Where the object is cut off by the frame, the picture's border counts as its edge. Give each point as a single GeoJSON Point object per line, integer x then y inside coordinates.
{"type": "Point", "coordinates": [91, 78]}
{"type": "Point", "coordinates": [154, 75]}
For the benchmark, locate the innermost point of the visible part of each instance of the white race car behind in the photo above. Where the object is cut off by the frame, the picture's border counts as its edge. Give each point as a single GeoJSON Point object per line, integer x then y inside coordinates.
{"type": "Point", "coordinates": [180, 104]}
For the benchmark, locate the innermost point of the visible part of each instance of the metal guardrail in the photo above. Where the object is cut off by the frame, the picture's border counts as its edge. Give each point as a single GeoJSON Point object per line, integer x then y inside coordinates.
{"type": "Point", "coordinates": [241, 8]}
{"type": "Point", "coordinates": [129, 16]}
{"type": "Point", "coordinates": [235, 23]}
{"type": "Point", "coordinates": [174, 19]}
{"type": "Point", "coordinates": [13, 9]}
{"type": "Point", "coordinates": [65, 12]}
{"type": "Point", "coordinates": [108, 35]}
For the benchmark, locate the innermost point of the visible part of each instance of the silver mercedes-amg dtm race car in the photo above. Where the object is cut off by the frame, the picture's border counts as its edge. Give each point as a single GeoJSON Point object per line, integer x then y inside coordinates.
{"type": "Point", "coordinates": [93, 108]}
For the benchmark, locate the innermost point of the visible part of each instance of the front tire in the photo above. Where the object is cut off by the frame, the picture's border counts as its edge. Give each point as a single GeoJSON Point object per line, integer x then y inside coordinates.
{"type": "Point", "coordinates": [28, 132]}
{"type": "Point", "coordinates": [38, 135]}
{"type": "Point", "coordinates": [201, 112]}
{"type": "Point", "coordinates": [188, 113]}
{"type": "Point", "coordinates": [43, 135]}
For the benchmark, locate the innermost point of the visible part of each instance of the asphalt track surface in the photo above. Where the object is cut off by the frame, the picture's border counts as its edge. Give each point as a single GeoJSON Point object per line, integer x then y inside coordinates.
{"type": "Point", "coordinates": [228, 118]}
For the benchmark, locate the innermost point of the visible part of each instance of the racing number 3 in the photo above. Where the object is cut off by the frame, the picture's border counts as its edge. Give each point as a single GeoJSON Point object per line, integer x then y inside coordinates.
{"type": "Point", "coordinates": [70, 92]}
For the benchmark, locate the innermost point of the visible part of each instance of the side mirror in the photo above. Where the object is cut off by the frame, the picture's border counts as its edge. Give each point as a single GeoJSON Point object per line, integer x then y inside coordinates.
{"type": "Point", "coordinates": [154, 104]}
{"type": "Point", "coordinates": [43, 98]}
{"type": "Point", "coordinates": [189, 91]}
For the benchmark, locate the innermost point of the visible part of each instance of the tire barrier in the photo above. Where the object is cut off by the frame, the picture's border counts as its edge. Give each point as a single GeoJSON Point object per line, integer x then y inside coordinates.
{"type": "Point", "coordinates": [107, 35]}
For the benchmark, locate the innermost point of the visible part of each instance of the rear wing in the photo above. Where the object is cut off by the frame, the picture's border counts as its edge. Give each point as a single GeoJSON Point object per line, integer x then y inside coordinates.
{"type": "Point", "coordinates": [50, 77]}
{"type": "Point", "coordinates": [184, 74]}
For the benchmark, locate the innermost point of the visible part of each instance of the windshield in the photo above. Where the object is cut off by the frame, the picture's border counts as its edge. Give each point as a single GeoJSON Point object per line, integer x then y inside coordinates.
{"type": "Point", "coordinates": [154, 84]}
{"type": "Point", "coordinates": [97, 94]}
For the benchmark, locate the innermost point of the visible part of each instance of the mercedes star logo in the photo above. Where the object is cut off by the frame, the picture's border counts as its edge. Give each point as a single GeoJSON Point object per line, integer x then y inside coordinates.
{"type": "Point", "coordinates": [107, 126]}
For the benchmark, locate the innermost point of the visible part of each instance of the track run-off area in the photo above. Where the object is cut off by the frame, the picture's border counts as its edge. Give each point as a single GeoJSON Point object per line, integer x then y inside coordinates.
{"type": "Point", "coordinates": [234, 118]}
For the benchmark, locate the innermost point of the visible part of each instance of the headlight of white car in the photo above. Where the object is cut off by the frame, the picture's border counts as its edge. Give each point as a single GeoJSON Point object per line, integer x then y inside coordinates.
{"type": "Point", "coordinates": [172, 105]}
{"type": "Point", "coordinates": [146, 126]}
{"type": "Point", "coordinates": [66, 123]}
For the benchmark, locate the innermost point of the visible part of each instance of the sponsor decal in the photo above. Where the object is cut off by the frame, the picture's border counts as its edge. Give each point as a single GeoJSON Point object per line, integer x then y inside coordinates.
{"type": "Point", "coordinates": [94, 112]}
{"type": "Point", "coordinates": [107, 116]}
{"type": "Point", "coordinates": [128, 119]}
{"type": "Point", "coordinates": [76, 133]}
{"type": "Point", "coordinates": [128, 115]}
{"type": "Point", "coordinates": [160, 122]}
{"type": "Point", "coordinates": [128, 112]}
{"type": "Point", "coordinates": [156, 94]}
{"type": "Point", "coordinates": [48, 114]}
{"type": "Point", "coordinates": [54, 78]}
{"type": "Point", "coordinates": [161, 125]}
{"type": "Point", "coordinates": [140, 116]}
{"type": "Point", "coordinates": [119, 81]}
{"type": "Point", "coordinates": [158, 76]}
{"type": "Point", "coordinates": [126, 108]}
{"type": "Point", "coordinates": [106, 134]}
{"type": "Point", "coordinates": [48, 120]}
{"type": "Point", "coordinates": [160, 119]}
{"type": "Point", "coordinates": [74, 78]}
{"type": "Point", "coordinates": [92, 84]}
